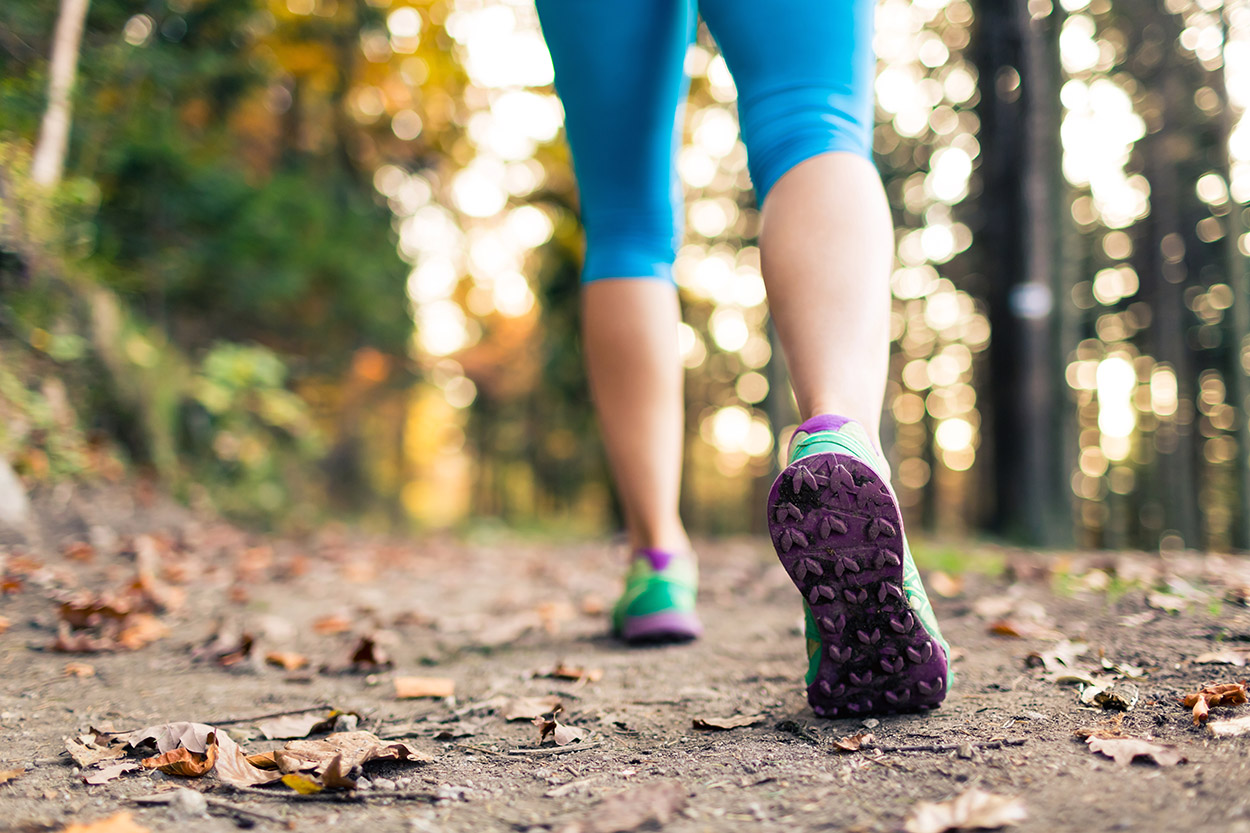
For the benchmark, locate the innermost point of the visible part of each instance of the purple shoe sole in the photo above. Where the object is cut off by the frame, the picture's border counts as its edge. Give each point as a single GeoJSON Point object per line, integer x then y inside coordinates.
{"type": "Point", "coordinates": [839, 534]}
{"type": "Point", "coordinates": [669, 626]}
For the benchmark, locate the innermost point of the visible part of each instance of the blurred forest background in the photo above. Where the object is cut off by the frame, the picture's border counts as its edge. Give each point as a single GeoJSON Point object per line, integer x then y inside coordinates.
{"type": "Point", "coordinates": [318, 258]}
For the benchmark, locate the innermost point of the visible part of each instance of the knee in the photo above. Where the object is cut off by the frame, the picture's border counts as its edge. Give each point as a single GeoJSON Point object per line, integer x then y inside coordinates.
{"type": "Point", "coordinates": [630, 244]}
{"type": "Point", "coordinates": [794, 126]}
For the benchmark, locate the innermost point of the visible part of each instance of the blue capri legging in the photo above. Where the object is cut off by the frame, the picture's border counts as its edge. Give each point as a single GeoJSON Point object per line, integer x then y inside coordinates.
{"type": "Point", "coordinates": [804, 72]}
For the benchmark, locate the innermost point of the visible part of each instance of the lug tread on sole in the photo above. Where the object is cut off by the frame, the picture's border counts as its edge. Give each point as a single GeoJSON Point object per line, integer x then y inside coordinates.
{"type": "Point", "coordinates": [838, 533]}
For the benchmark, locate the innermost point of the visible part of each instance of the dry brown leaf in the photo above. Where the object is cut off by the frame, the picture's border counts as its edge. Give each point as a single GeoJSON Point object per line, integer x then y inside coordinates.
{"type": "Point", "coordinates": [85, 754]}
{"type": "Point", "coordinates": [528, 708]}
{"type": "Point", "coordinates": [7, 775]}
{"type": "Point", "coordinates": [407, 688]}
{"type": "Point", "coordinates": [302, 784]}
{"type": "Point", "coordinates": [68, 642]}
{"type": "Point", "coordinates": [944, 584]}
{"type": "Point", "coordinates": [1014, 628]}
{"type": "Point", "coordinates": [651, 805]}
{"type": "Point", "coordinates": [140, 629]}
{"type": "Point", "coordinates": [1235, 728]}
{"type": "Point", "coordinates": [335, 776]}
{"type": "Point", "coordinates": [233, 766]}
{"type": "Point", "coordinates": [562, 735]}
{"type": "Point", "coordinates": [1223, 694]}
{"type": "Point", "coordinates": [1224, 657]}
{"type": "Point", "coordinates": [368, 657]}
{"type": "Point", "coordinates": [973, 810]}
{"type": "Point", "coordinates": [263, 760]}
{"type": "Point", "coordinates": [79, 551]}
{"type": "Point", "coordinates": [183, 761]}
{"type": "Point", "coordinates": [735, 722]}
{"type": "Point", "coordinates": [854, 743]}
{"type": "Point", "coordinates": [108, 773]}
{"type": "Point", "coordinates": [357, 748]}
{"type": "Point", "coordinates": [4, 624]}
{"type": "Point", "coordinates": [332, 624]}
{"type": "Point", "coordinates": [1058, 659]}
{"type": "Point", "coordinates": [288, 660]}
{"type": "Point", "coordinates": [118, 823]}
{"type": "Point", "coordinates": [169, 736]}
{"type": "Point", "coordinates": [79, 669]}
{"type": "Point", "coordinates": [1124, 750]}
{"type": "Point", "coordinates": [563, 671]}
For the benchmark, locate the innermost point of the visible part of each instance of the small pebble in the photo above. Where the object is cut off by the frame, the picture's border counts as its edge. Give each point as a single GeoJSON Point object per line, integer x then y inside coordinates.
{"type": "Point", "coordinates": [364, 784]}
{"type": "Point", "coordinates": [186, 803]}
{"type": "Point", "coordinates": [383, 783]}
{"type": "Point", "coordinates": [871, 723]}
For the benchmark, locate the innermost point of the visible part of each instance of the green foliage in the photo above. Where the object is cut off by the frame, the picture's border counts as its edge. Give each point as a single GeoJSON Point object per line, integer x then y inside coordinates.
{"type": "Point", "coordinates": [245, 432]}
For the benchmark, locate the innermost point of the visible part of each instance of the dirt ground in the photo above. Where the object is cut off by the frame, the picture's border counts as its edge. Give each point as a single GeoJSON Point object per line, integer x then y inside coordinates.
{"type": "Point", "coordinates": [490, 611]}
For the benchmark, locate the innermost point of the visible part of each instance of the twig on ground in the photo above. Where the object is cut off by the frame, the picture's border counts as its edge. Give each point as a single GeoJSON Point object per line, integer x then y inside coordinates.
{"type": "Point", "coordinates": [345, 797]}
{"type": "Point", "coordinates": [949, 747]}
{"type": "Point", "coordinates": [557, 750]}
{"type": "Point", "coordinates": [220, 804]}
{"type": "Point", "coordinates": [235, 720]}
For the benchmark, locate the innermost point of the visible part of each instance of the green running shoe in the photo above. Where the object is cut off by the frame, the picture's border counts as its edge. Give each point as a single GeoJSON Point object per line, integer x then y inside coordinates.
{"type": "Point", "coordinates": [873, 642]}
{"type": "Point", "coordinates": [659, 597]}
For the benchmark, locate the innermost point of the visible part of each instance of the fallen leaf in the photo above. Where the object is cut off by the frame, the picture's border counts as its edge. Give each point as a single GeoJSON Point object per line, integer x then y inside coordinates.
{"type": "Point", "coordinates": [118, 823]}
{"type": "Point", "coordinates": [79, 551]}
{"type": "Point", "coordinates": [1235, 728]}
{"type": "Point", "coordinates": [79, 669]}
{"type": "Point", "coordinates": [562, 735]}
{"type": "Point", "coordinates": [1113, 696]}
{"type": "Point", "coordinates": [1112, 728]}
{"type": "Point", "coordinates": [528, 708]}
{"type": "Point", "coordinates": [357, 748]}
{"type": "Point", "coordinates": [734, 722]}
{"type": "Point", "coordinates": [1124, 669]}
{"type": "Point", "coordinates": [335, 776]}
{"type": "Point", "coordinates": [651, 805]}
{"type": "Point", "coordinates": [108, 773]}
{"type": "Point", "coordinates": [288, 660]}
{"type": "Point", "coordinates": [1059, 658]}
{"type": "Point", "coordinates": [562, 671]}
{"type": "Point", "coordinates": [407, 688]}
{"type": "Point", "coordinates": [292, 726]}
{"type": "Point", "coordinates": [140, 629]}
{"type": "Point", "coordinates": [233, 766]}
{"type": "Point", "coordinates": [332, 624]}
{"type": "Point", "coordinates": [973, 810]}
{"type": "Point", "coordinates": [182, 761]}
{"type": "Point", "coordinates": [169, 736]}
{"type": "Point", "coordinates": [1224, 694]}
{"type": "Point", "coordinates": [68, 642]}
{"type": "Point", "coordinates": [263, 760]}
{"type": "Point", "coordinates": [1224, 657]}
{"type": "Point", "coordinates": [944, 584]}
{"type": "Point", "coordinates": [86, 754]}
{"type": "Point", "coordinates": [368, 657]}
{"type": "Point", "coordinates": [1014, 628]}
{"type": "Point", "coordinates": [4, 624]}
{"type": "Point", "coordinates": [1124, 750]}
{"type": "Point", "coordinates": [854, 743]}
{"type": "Point", "coordinates": [7, 775]}
{"type": "Point", "coordinates": [302, 784]}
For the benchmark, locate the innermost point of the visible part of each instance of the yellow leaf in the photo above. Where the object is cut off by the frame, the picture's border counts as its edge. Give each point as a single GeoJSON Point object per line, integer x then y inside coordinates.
{"type": "Point", "coordinates": [302, 784]}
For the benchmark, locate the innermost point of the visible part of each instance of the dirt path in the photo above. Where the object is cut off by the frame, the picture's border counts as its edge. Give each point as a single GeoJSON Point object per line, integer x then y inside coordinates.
{"type": "Point", "coordinates": [489, 613]}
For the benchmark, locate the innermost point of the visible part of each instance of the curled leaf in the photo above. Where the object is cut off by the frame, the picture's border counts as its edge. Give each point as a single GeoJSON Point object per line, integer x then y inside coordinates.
{"type": "Point", "coordinates": [1225, 694]}
{"type": "Point", "coordinates": [183, 761]}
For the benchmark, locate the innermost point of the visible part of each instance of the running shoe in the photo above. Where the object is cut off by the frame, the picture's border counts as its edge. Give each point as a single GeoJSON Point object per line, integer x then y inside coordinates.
{"type": "Point", "coordinates": [659, 597]}
{"type": "Point", "coordinates": [873, 642]}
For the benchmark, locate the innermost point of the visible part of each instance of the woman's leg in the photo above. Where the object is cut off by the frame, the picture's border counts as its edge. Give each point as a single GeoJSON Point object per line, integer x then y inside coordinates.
{"type": "Point", "coordinates": [629, 335]}
{"type": "Point", "coordinates": [827, 247]}
{"type": "Point", "coordinates": [805, 76]}
{"type": "Point", "coordinates": [620, 76]}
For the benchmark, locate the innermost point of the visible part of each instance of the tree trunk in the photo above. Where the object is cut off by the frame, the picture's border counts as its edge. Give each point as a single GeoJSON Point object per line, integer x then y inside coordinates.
{"type": "Point", "coordinates": [49, 158]}
{"type": "Point", "coordinates": [1017, 58]}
